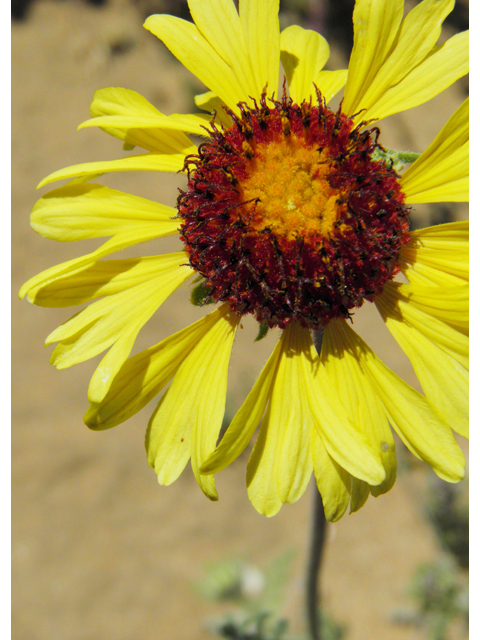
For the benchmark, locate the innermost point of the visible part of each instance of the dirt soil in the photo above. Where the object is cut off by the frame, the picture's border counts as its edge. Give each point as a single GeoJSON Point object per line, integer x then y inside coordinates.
{"type": "Point", "coordinates": [100, 550]}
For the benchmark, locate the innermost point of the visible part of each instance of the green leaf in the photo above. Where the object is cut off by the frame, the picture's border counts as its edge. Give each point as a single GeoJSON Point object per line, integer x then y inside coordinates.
{"type": "Point", "coordinates": [262, 331]}
{"type": "Point", "coordinates": [201, 295]}
{"type": "Point", "coordinates": [393, 158]}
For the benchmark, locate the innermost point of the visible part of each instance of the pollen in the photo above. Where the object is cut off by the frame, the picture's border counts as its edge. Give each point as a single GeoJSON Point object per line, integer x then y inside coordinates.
{"type": "Point", "coordinates": [289, 217]}
{"type": "Point", "coordinates": [299, 198]}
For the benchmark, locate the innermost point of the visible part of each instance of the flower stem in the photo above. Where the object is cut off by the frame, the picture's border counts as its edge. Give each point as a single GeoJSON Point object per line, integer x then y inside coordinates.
{"type": "Point", "coordinates": [317, 541]}
{"type": "Point", "coordinates": [313, 567]}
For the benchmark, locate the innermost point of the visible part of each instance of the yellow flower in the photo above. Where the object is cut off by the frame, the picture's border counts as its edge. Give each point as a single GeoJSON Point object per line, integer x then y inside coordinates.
{"type": "Point", "coordinates": [294, 214]}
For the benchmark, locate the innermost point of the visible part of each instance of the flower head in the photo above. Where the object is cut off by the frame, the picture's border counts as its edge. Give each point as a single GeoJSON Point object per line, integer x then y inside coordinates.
{"type": "Point", "coordinates": [292, 213]}
{"type": "Point", "coordinates": [289, 217]}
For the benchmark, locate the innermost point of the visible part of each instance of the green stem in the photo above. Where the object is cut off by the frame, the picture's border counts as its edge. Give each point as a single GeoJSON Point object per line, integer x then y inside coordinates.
{"type": "Point", "coordinates": [317, 540]}
{"type": "Point", "coordinates": [395, 159]}
{"type": "Point", "coordinates": [408, 156]}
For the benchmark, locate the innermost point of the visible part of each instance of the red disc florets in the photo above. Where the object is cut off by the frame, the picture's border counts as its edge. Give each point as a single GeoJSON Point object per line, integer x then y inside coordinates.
{"type": "Point", "coordinates": [288, 216]}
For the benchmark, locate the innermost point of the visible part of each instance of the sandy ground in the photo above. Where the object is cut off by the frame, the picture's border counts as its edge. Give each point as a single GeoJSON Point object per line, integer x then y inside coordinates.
{"type": "Point", "coordinates": [101, 551]}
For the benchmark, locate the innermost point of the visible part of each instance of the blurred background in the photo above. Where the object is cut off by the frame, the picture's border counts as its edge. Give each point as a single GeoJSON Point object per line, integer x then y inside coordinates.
{"type": "Point", "coordinates": [100, 550]}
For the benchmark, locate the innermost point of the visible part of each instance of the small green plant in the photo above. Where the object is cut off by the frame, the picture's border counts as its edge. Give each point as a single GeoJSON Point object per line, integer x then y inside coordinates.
{"type": "Point", "coordinates": [257, 596]}
{"type": "Point", "coordinates": [440, 596]}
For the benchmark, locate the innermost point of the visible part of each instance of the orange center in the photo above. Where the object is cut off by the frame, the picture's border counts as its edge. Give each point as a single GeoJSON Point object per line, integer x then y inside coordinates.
{"type": "Point", "coordinates": [287, 179]}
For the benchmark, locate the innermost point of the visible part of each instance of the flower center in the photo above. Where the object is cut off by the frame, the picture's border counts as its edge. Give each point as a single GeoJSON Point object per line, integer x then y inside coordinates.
{"type": "Point", "coordinates": [298, 197]}
{"type": "Point", "coordinates": [289, 218]}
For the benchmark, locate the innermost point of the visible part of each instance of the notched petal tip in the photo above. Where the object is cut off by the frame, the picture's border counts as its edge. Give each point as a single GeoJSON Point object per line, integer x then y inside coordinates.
{"type": "Point", "coordinates": [92, 421]}
{"type": "Point", "coordinates": [23, 291]}
{"type": "Point", "coordinates": [455, 472]}
{"type": "Point", "coordinates": [212, 496]}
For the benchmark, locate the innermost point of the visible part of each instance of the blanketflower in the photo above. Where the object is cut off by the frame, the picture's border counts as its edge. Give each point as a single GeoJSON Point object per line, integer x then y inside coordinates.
{"type": "Point", "coordinates": [292, 213]}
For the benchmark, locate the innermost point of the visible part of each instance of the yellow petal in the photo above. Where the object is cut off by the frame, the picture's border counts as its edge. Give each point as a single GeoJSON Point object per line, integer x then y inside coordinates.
{"type": "Point", "coordinates": [452, 190]}
{"type": "Point", "coordinates": [444, 381]}
{"type": "Point", "coordinates": [116, 101]}
{"type": "Point", "coordinates": [194, 51]}
{"type": "Point", "coordinates": [290, 416]}
{"type": "Point", "coordinates": [211, 103]}
{"type": "Point", "coordinates": [432, 76]}
{"type": "Point", "coordinates": [262, 483]}
{"type": "Point", "coordinates": [303, 54]}
{"type": "Point", "coordinates": [80, 211]}
{"type": "Point", "coordinates": [117, 243]}
{"type": "Point", "coordinates": [415, 40]}
{"type": "Point", "coordinates": [419, 425]}
{"type": "Point", "coordinates": [144, 375]}
{"type": "Point", "coordinates": [260, 26]}
{"type": "Point", "coordinates": [116, 110]}
{"type": "Point", "coordinates": [360, 492]}
{"type": "Point", "coordinates": [282, 452]}
{"type": "Point", "coordinates": [333, 482]}
{"type": "Point", "coordinates": [329, 83]}
{"type": "Point", "coordinates": [102, 323]}
{"type": "Point", "coordinates": [172, 163]}
{"type": "Point", "coordinates": [150, 126]}
{"type": "Point", "coordinates": [342, 439]}
{"type": "Point", "coordinates": [192, 409]}
{"type": "Point", "coordinates": [443, 166]}
{"type": "Point", "coordinates": [453, 342]}
{"type": "Point", "coordinates": [452, 135]}
{"type": "Point", "coordinates": [375, 24]}
{"type": "Point", "coordinates": [435, 251]}
{"type": "Point", "coordinates": [173, 453]}
{"type": "Point", "coordinates": [426, 275]}
{"type": "Point", "coordinates": [362, 404]}
{"type": "Point", "coordinates": [102, 278]}
{"type": "Point", "coordinates": [446, 182]}
{"type": "Point", "coordinates": [444, 236]}
{"type": "Point", "coordinates": [119, 352]}
{"type": "Point", "coordinates": [110, 365]}
{"type": "Point", "coordinates": [219, 23]}
{"type": "Point", "coordinates": [246, 420]}
{"type": "Point", "coordinates": [449, 305]}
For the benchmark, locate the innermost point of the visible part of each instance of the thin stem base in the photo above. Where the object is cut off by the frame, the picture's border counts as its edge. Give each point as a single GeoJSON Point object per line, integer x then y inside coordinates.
{"type": "Point", "coordinates": [317, 541]}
